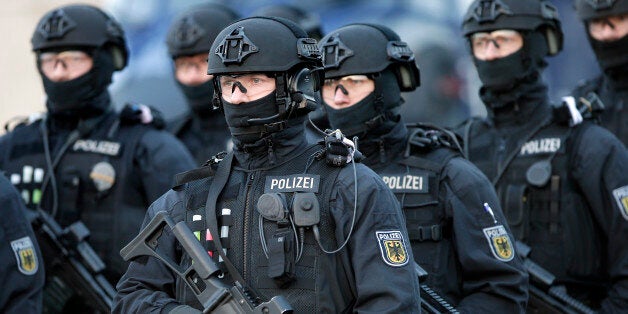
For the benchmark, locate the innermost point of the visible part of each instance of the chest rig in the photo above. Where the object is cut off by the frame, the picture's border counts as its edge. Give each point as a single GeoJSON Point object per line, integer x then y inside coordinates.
{"type": "Point", "coordinates": [266, 215]}
{"type": "Point", "coordinates": [415, 179]}
{"type": "Point", "coordinates": [92, 179]}
{"type": "Point", "coordinates": [541, 201]}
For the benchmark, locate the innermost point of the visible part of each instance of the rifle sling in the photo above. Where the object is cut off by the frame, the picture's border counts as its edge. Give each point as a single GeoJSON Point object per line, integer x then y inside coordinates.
{"type": "Point", "coordinates": [216, 187]}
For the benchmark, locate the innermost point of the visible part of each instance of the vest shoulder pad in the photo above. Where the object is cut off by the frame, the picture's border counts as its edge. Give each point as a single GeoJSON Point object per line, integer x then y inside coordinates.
{"type": "Point", "coordinates": [424, 138]}
{"type": "Point", "coordinates": [208, 169]}
{"type": "Point", "coordinates": [192, 175]}
{"type": "Point", "coordinates": [20, 121]}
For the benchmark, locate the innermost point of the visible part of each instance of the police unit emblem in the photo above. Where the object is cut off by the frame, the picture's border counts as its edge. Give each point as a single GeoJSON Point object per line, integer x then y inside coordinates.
{"type": "Point", "coordinates": [499, 242]}
{"type": "Point", "coordinates": [621, 196]}
{"type": "Point", "coordinates": [393, 247]}
{"type": "Point", "coordinates": [25, 255]}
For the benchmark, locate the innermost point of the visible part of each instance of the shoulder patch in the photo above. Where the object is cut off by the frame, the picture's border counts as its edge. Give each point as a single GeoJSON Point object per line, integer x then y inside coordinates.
{"type": "Point", "coordinates": [621, 196]}
{"type": "Point", "coordinates": [500, 243]}
{"type": "Point", "coordinates": [393, 247]}
{"type": "Point", "coordinates": [25, 255]}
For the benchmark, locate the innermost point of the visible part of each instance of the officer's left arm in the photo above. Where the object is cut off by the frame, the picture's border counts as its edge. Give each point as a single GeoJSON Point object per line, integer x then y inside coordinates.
{"type": "Point", "coordinates": [600, 167]}
{"type": "Point", "coordinates": [494, 279]}
{"type": "Point", "coordinates": [159, 157]}
{"type": "Point", "coordinates": [21, 263]}
{"type": "Point", "coordinates": [379, 251]}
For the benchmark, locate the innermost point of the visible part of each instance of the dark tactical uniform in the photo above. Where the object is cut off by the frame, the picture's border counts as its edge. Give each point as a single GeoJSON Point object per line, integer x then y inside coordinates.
{"type": "Point", "coordinates": [202, 129]}
{"type": "Point", "coordinates": [562, 186]}
{"type": "Point", "coordinates": [444, 197]}
{"type": "Point", "coordinates": [83, 161]}
{"type": "Point", "coordinates": [21, 270]}
{"type": "Point", "coordinates": [612, 86]}
{"type": "Point", "coordinates": [106, 178]}
{"type": "Point", "coordinates": [371, 273]}
{"type": "Point", "coordinates": [352, 279]}
{"type": "Point", "coordinates": [564, 194]}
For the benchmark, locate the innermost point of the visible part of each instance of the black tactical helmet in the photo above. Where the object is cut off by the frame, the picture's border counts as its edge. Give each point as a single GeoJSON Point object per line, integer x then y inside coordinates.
{"type": "Point", "coordinates": [274, 46]}
{"type": "Point", "coordinates": [308, 21]}
{"type": "Point", "coordinates": [81, 26]}
{"type": "Point", "coordinates": [379, 48]}
{"type": "Point", "coordinates": [591, 9]}
{"type": "Point", "coordinates": [194, 30]}
{"type": "Point", "coordinates": [523, 15]}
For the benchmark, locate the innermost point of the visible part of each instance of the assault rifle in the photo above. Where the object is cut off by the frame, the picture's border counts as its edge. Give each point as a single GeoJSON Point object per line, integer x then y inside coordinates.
{"type": "Point", "coordinates": [431, 302]}
{"type": "Point", "coordinates": [201, 277]}
{"type": "Point", "coordinates": [546, 296]}
{"type": "Point", "coordinates": [72, 266]}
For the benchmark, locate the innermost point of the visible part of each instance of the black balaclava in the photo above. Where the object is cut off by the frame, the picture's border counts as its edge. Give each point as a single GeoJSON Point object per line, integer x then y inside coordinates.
{"type": "Point", "coordinates": [516, 78]}
{"type": "Point", "coordinates": [199, 97]}
{"type": "Point", "coordinates": [613, 59]}
{"type": "Point", "coordinates": [85, 96]}
{"type": "Point", "coordinates": [237, 116]}
{"type": "Point", "coordinates": [383, 101]}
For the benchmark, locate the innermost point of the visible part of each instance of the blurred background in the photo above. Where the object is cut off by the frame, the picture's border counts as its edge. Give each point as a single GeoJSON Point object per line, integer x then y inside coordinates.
{"type": "Point", "coordinates": [449, 84]}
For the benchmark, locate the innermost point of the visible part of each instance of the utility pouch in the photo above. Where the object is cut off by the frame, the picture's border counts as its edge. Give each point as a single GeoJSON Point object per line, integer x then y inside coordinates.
{"type": "Point", "coordinates": [281, 257]}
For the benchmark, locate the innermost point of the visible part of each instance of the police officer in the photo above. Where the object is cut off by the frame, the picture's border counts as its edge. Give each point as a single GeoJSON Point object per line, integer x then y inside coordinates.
{"type": "Point", "coordinates": [82, 160]}
{"type": "Point", "coordinates": [355, 257]}
{"type": "Point", "coordinates": [202, 129]}
{"type": "Point", "coordinates": [606, 23]}
{"type": "Point", "coordinates": [444, 197]}
{"type": "Point", "coordinates": [21, 271]}
{"type": "Point", "coordinates": [561, 181]}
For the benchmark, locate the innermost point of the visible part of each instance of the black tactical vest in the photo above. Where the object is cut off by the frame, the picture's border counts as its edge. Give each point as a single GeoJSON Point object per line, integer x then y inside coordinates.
{"type": "Point", "coordinates": [415, 181]}
{"type": "Point", "coordinates": [238, 216]}
{"type": "Point", "coordinates": [111, 210]}
{"type": "Point", "coordinates": [541, 200]}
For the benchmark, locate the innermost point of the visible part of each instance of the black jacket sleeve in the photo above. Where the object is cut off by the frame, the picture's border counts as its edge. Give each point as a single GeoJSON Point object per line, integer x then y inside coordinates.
{"type": "Point", "coordinates": [21, 264]}
{"type": "Point", "coordinates": [494, 278]}
{"type": "Point", "coordinates": [148, 286]}
{"type": "Point", "coordinates": [159, 157]}
{"type": "Point", "coordinates": [384, 283]}
{"type": "Point", "coordinates": [600, 165]}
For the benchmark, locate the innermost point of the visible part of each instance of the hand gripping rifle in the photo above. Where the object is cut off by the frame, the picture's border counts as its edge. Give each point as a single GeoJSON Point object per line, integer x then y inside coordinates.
{"type": "Point", "coordinates": [431, 302]}
{"type": "Point", "coordinates": [201, 277]}
{"type": "Point", "coordinates": [545, 294]}
{"type": "Point", "coordinates": [72, 266]}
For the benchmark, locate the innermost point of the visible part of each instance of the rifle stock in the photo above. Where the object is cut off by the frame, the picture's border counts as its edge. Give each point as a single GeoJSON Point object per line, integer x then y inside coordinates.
{"type": "Point", "coordinates": [71, 265]}
{"type": "Point", "coordinates": [202, 276]}
{"type": "Point", "coordinates": [546, 296]}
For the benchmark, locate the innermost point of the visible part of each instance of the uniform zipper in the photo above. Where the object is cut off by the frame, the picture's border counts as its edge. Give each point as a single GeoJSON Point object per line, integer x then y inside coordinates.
{"type": "Point", "coordinates": [247, 212]}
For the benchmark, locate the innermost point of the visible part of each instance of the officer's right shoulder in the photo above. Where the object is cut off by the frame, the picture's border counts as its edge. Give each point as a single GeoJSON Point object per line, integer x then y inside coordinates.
{"type": "Point", "coordinates": [206, 171]}
{"type": "Point", "coordinates": [19, 122]}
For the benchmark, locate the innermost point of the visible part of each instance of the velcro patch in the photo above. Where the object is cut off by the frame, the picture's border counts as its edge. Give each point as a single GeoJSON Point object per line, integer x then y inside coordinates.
{"type": "Point", "coordinates": [406, 183]}
{"type": "Point", "coordinates": [621, 196]}
{"type": "Point", "coordinates": [292, 183]}
{"type": "Point", "coordinates": [500, 243]}
{"type": "Point", "coordinates": [393, 247]}
{"type": "Point", "coordinates": [25, 255]}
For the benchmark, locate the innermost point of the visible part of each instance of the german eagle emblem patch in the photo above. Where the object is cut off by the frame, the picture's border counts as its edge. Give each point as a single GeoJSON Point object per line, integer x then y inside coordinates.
{"type": "Point", "coordinates": [500, 243]}
{"type": "Point", "coordinates": [25, 255]}
{"type": "Point", "coordinates": [393, 247]}
{"type": "Point", "coordinates": [621, 196]}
